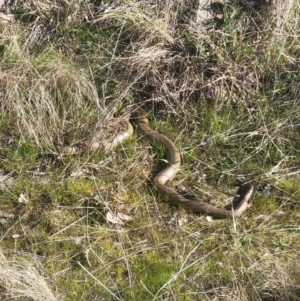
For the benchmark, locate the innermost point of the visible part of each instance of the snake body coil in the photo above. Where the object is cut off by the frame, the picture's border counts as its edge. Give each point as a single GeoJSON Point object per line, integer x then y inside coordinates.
{"type": "Point", "coordinates": [168, 173]}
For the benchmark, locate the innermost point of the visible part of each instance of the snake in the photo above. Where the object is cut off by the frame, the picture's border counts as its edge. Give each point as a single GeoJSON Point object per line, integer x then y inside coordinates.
{"type": "Point", "coordinates": [163, 178]}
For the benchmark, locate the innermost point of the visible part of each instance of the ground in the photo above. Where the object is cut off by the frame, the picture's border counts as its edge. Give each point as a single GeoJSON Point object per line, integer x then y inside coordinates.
{"type": "Point", "coordinates": [226, 92]}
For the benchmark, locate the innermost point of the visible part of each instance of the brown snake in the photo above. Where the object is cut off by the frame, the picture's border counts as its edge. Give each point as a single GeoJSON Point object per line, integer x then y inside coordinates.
{"type": "Point", "coordinates": [168, 173]}
{"type": "Point", "coordinates": [165, 176]}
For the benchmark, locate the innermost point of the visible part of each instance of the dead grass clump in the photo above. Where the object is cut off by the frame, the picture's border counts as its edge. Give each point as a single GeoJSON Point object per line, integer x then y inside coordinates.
{"type": "Point", "coordinates": [22, 280]}
{"type": "Point", "coordinates": [43, 93]}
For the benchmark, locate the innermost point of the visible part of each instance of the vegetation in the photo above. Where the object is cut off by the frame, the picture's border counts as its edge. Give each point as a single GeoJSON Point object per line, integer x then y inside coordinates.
{"type": "Point", "coordinates": [227, 96]}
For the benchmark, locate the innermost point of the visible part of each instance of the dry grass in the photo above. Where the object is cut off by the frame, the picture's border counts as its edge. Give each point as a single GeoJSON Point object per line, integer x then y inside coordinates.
{"type": "Point", "coordinates": [228, 97]}
{"type": "Point", "coordinates": [22, 280]}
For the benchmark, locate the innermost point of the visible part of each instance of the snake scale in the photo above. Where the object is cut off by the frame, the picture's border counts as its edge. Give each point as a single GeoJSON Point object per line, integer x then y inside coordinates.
{"type": "Point", "coordinates": [165, 176]}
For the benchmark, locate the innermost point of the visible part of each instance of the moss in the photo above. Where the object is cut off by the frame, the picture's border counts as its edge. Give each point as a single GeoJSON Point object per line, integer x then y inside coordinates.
{"type": "Point", "coordinates": [151, 273]}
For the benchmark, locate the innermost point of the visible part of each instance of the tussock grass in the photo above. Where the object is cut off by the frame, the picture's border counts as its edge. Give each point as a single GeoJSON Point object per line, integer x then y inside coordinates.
{"type": "Point", "coordinates": [229, 99]}
{"type": "Point", "coordinates": [21, 280]}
